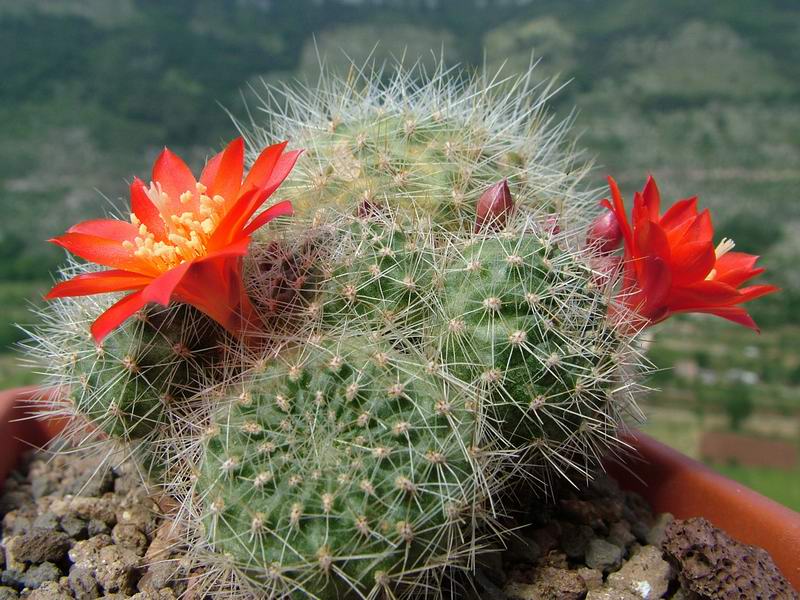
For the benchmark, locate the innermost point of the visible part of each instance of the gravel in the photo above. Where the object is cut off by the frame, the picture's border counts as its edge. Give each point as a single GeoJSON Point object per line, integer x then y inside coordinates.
{"type": "Point", "coordinates": [72, 530]}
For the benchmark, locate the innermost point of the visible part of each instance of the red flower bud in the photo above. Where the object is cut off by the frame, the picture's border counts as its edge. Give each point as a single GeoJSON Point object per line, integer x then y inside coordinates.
{"type": "Point", "coordinates": [605, 234]}
{"type": "Point", "coordinates": [494, 206]}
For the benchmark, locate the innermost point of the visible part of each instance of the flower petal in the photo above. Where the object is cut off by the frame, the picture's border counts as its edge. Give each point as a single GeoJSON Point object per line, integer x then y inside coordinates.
{"type": "Point", "coordinates": [160, 289]}
{"type": "Point", "coordinates": [700, 230]}
{"type": "Point", "coordinates": [210, 170]}
{"type": "Point", "coordinates": [263, 166]}
{"type": "Point", "coordinates": [146, 211]}
{"type": "Point", "coordinates": [703, 294]}
{"type": "Point", "coordinates": [655, 281]}
{"type": "Point", "coordinates": [233, 224]}
{"type": "Point", "coordinates": [652, 241]}
{"type": "Point", "coordinates": [652, 199]}
{"type": "Point", "coordinates": [98, 283]}
{"type": "Point", "coordinates": [680, 214]}
{"type": "Point", "coordinates": [175, 178]}
{"type": "Point", "coordinates": [105, 252]}
{"type": "Point", "coordinates": [733, 313]}
{"type": "Point", "coordinates": [116, 315]}
{"type": "Point", "coordinates": [619, 209]}
{"type": "Point", "coordinates": [109, 229]}
{"type": "Point", "coordinates": [755, 291]}
{"type": "Point", "coordinates": [734, 268]}
{"type": "Point", "coordinates": [228, 179]}
{"type": "Point", "coordinates": [281, 209]}
{"type": "Point", "coordinates": [691, 262]}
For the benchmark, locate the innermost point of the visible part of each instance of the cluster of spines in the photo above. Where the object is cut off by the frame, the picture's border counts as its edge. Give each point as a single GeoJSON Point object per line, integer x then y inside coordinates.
{"type": "Point", "coordinates": [429, 145]}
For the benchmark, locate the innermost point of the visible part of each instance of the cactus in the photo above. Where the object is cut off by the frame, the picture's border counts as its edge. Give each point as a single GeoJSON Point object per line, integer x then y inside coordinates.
{"type": "Point", "coordinates": [132, 385]}
{"type": "Point", "coordinates": [432, 332]}
{"type": "Point", "coordinates": [434, 367]}
{"type": "Point", "coordinates": [340, 469]}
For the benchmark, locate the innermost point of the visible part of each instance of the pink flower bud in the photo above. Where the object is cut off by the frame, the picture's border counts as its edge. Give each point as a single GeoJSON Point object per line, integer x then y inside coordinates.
{"type": "Point", "coordinates": [605, 233]}
{"type": "Point", "coordinates": [494, 206]}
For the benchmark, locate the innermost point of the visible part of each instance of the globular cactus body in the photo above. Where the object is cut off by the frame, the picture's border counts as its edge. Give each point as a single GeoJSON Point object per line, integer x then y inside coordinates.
{"type": "Point", "coordinates": [422, 347]}
{"type": "Point", "coordinates": [341, 469]}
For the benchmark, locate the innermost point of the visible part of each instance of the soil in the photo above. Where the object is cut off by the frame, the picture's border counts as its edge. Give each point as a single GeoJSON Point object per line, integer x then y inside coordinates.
{"type": "Point", "coordinates": [72, 530]}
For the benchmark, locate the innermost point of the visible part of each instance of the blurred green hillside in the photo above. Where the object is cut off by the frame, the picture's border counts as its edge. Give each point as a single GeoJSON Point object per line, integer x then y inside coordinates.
{"type": "Point", "coordinates": [704, 95]}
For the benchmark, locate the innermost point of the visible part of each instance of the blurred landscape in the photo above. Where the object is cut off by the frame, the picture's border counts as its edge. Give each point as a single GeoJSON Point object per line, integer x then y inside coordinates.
{"type": "Point", "coordinates": [705, 96]}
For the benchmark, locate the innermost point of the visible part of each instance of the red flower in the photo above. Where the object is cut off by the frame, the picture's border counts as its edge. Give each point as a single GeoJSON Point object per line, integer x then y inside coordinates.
{"type": "Point", "coordinates": [185, 239]}
{"type": "Point", "coordinates": [671, 264]}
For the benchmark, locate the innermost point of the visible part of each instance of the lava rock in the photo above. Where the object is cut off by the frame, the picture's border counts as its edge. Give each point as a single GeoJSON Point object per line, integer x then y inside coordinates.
{"type": "Point", "coordinates": [74, 526]}
{"type": "Point", "coordinates": [646, 574]}
{"type": "Point", "coordinates": [38, 575]}
{"type": "Point", "coordinates": [655, 537]}
{"type": "Point", "coordinates": [603, 556]}
{"type": "Point", "coordinates": [37, 546]}
{"type": "Point", "coordinates": [575, 540]}
{"type": "Point", "coordinates": [549, 582]}
{"type": "Point", "coordinates": [7, 593]}
{"type": "Point", "coordinates": [116, 569]}
{"type": "Point", "coordinates": [129, 537]}
{"type": "Point", "coordinates": [83, 584]}
{"type": "Point", "coordinates": [714, 566]}
{"type": "Point", "coordinates": [591, 577]}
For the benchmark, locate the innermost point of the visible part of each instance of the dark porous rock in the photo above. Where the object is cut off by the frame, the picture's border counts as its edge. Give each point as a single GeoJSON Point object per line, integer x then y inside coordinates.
{"type": "Point", "coordinates": [49, 591]}
{"type": "Point", "coordinates": [117, 569]}
{"type": "Point", "coordinates": [546, 538]}
{"type": "Point", "coordinates": [655, 537]}
{"type": "Point", "coordinates": [130, 537]}
{"type": "Point", "coordinates": [713, 566]}
{"type": "Point", "coordinates": [12, 578]}
{"type": "Point", "coordinates": [575, 540]}
{"type": "Point", "coordinates": [83, 584]}
{"type": "Point", "coordinates": [46, 521]}
{"type": "Point", "coordinates": [603, 556]}
{"type": "Point", "coordinates": [38, 575]}
{"type": "Point", "coordinates": [74, 526]}
{"type": "Point", "coordinates": [620, 534]}
{"type": "Point", "coordinates": [37, 546]}
{"type": "Point", "coordinates": [97, 527]}
{"type": "Point", "coordinates": [522, 547]}
{"type": "Point", "coordinates": [7, 593]}
{"type": "Point", "coordinates": [591, 577]}
{"type": "Point", "coordinates": [549, 582]}
{"type": "Point", "coordinates": [18, 522]}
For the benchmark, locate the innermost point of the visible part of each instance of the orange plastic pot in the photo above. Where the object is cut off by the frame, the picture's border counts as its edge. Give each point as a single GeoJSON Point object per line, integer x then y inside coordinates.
{"type": "Point", "coordinates": [668, 480]}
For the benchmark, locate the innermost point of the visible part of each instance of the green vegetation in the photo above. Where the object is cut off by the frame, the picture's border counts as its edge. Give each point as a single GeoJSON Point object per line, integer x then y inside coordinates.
{"type": "Point", "coordinates": [773, 483]}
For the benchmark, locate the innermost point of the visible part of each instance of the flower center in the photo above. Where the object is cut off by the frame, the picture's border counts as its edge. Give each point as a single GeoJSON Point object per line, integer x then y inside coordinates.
{"type": "Point", "coordinates": [187, 233]}
{"type": "Point", "coordinates": [725, 246]}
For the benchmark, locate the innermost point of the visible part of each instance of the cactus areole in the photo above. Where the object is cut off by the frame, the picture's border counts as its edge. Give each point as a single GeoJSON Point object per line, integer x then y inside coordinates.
{"type": "Point", "coordinates": [444, 317]}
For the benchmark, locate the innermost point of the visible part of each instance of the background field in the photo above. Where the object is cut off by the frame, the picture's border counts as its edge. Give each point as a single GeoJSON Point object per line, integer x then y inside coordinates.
{"type": "Point", "coordinates": [703, 95]}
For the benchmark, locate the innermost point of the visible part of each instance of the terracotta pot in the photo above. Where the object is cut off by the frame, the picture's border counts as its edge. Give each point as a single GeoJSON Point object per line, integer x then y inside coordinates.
{"type": "Point", "coordinates": [670, 481]}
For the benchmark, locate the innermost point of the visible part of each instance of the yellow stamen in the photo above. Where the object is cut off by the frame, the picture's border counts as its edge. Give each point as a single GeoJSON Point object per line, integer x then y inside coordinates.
{"type": "Point", "coordinates": [725, 246]}
{"type": "Point", "coordinates": [188, 232]}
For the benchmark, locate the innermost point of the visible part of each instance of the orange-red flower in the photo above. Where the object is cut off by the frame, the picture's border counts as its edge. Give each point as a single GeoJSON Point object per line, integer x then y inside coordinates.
{"type": "Point", "coordinates": [185, 239]}
{"type": "Point", "coordinates": [671, 264]}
